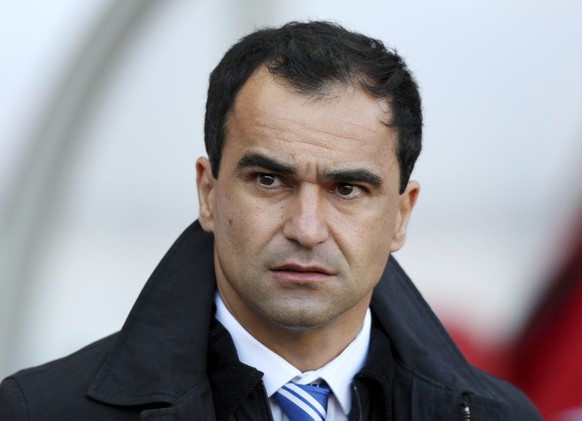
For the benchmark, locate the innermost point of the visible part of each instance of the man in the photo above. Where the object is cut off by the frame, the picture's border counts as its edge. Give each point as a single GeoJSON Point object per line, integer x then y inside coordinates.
{"type": "Point", "coordinates": [282, 302]}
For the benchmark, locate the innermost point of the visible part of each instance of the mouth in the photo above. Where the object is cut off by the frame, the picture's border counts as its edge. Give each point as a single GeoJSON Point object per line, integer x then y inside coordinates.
{"type": "Point", "coordinates": [301, 274]}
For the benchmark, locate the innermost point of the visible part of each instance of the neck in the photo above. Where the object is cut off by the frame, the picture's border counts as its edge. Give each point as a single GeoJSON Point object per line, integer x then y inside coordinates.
{"type": "Point", "coordinates": [307, 349]}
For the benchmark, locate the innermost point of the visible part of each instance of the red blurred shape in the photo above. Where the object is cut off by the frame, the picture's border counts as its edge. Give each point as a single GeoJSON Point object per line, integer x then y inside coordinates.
{"type": "Point", "coordinates": [546, 361]}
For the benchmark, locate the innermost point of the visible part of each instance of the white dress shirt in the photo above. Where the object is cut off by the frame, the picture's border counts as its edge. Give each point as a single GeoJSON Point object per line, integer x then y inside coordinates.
{"type": "Point", "coordinates": [338, 373]}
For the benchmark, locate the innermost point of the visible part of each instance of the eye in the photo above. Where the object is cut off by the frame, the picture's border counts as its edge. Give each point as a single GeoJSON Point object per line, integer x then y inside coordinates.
{"type": "Point", "coordinates": [345, 189]}
{"type": "Point", "coordinates": [348, 191]}
{"type": "Point", "coordinates": [269, 181]}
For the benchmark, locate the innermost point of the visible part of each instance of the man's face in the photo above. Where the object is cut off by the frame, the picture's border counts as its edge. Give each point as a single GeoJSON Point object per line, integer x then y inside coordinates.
{"type": "Point", "coordinates": [306, 208]}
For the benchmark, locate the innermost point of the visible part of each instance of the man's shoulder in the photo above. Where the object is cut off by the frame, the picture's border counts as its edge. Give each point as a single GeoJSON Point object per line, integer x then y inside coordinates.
{"type": "Point", "coordinates": [494, 398]}
{"type": "Point", "coordinates": [517, 405]}
{"type": "Point", "coordinates": [57, 384]}
{"type": "Point", "coordinates": [77, 364]}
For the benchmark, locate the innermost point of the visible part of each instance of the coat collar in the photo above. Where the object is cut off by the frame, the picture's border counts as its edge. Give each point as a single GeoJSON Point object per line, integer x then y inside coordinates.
{"type": "Point", "coordinates": [160, 353]}
{"type": "Point", "coordinates": [419, 340]}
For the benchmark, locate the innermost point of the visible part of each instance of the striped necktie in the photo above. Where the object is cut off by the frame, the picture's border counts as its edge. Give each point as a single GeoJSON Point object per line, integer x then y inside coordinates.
{"type": "Point", "coordinates": [303, 402]}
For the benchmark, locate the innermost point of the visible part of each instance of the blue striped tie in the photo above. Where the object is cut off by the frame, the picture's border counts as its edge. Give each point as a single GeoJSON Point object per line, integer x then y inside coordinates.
{"type": "Point", "coordinates": [303, 402]}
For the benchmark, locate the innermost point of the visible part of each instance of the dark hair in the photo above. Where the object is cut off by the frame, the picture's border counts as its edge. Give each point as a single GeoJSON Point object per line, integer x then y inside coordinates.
{"type": "Point", "coordinates": [311, 56]}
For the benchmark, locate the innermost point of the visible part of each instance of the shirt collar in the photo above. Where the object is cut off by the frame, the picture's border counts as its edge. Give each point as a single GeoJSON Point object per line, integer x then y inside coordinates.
{"type": "Point", "coordinates": [338, 373]}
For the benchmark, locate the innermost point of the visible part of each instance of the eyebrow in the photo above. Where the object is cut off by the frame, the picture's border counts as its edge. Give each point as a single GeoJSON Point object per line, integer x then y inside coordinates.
{"type": "Point", "coordinates": [257, 160]}
{"type": "Point", "coordinates": [355, 176]}
{"type": "Point", "coordinates": [345, 176]}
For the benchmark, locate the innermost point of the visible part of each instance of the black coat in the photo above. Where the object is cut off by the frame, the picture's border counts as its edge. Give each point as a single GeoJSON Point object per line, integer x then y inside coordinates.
{"type": "Point", "coordinates": [172, 361]}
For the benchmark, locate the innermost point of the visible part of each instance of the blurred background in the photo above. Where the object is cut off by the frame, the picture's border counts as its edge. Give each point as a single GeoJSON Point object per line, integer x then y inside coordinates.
{"type": "Point", "coordinates": [101, 117]}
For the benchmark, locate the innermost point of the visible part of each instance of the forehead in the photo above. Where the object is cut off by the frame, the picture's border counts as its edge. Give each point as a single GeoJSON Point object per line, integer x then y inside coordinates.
{"type": "Point", "coordinates": [342, 124]}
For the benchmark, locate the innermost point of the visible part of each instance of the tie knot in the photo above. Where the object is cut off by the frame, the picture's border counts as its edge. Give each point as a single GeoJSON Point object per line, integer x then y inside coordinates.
{"type": "Point", "coordinates": [303, 402]}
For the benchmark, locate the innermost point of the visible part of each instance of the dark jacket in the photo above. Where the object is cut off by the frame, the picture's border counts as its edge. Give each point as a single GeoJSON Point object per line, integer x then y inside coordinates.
{"type": "Point", "coordinates": [173, 361]}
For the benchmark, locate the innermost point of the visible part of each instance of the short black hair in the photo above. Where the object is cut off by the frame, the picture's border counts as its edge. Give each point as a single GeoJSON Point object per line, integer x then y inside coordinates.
{"type": "Point", "coordinates": [311, 56]}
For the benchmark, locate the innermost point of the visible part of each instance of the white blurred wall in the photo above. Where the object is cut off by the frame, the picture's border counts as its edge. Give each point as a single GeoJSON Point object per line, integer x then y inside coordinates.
{"type": "Point", "coordinates": [102, 125]}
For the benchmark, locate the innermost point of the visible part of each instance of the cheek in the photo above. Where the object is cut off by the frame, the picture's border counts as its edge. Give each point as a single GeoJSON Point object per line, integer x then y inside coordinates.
{"type": "Point", "coordinates": [244, 221]}
{"type": "Point", "coordinates": [367, 244]}
{"type": "Point", "coordinates": [228, 227]}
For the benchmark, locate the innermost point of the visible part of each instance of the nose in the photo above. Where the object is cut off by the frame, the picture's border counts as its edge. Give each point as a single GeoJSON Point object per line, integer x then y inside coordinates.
{"type": "Point", "coordinates": [306, 221]}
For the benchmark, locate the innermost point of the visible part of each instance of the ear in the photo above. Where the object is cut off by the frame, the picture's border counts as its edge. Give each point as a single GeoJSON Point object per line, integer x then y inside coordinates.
{"type": "Point", "coordinates": [206, 183]}
{"type": "Point", "coordinates": [406, 203]}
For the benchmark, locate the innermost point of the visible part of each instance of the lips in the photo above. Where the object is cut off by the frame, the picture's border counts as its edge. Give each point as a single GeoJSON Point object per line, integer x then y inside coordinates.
{"type": "Point", "coordinates": [301, 274]}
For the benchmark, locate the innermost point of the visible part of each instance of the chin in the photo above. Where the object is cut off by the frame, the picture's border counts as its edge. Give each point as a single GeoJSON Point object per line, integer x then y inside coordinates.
{"type": "Point", "coordinates": [301, 321]}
